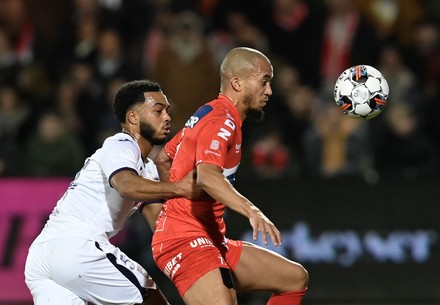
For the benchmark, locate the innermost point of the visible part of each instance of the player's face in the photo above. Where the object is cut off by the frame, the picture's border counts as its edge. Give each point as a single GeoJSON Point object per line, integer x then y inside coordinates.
{"type": "Point", "coordinates": [258, 89]}
{"type": "Point", "coordinates": [154, 121]}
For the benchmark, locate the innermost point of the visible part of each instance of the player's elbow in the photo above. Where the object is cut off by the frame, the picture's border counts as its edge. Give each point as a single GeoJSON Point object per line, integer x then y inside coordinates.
{"type": "Point", "coordinates": [126, 191]}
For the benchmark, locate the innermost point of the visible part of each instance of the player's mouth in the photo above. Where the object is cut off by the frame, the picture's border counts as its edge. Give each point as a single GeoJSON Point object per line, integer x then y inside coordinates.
{"type": "Point", "coordinates": [167, 129]}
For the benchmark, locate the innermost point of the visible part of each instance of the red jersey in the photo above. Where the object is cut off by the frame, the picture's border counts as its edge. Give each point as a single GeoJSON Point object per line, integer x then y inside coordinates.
{"type": "Point", "coordinates": [212, 135]}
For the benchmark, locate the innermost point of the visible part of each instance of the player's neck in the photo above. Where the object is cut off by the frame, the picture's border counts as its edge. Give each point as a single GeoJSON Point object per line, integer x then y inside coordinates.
{"type": "Point", "coordinates": [144, 145]}
{"type": "Point", "coordinates": [238, 104]}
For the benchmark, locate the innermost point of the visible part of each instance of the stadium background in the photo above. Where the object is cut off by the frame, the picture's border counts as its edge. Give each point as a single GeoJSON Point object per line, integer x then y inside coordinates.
{"type": "Point", "coordinates": [357, 201]}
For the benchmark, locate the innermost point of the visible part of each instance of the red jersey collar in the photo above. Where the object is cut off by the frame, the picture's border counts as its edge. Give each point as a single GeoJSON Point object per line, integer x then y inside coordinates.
{"type": "Point", "coordinates": [231, 107]}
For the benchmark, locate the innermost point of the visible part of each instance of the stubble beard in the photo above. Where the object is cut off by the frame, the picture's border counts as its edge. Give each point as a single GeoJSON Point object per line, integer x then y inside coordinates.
{"type": "Point", "coordinates": [148, 133]}
{"type": "Point", "coordinates": [256, 113]}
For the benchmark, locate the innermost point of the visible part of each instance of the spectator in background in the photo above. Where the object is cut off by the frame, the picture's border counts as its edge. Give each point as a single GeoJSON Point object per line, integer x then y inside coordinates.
{"type": "Point", "coordinates": [13, 111]}
{"type": "Point", "coordinates": [155, 39]}
{"type": "Point", "coordinates": [36, 86]}
{"type": "Point", "coordinates": [13, 114]}
{"type": "Point", "coordinates": [185, 68]}
{"type": "Point", "coordinates": [77, 38]}
{"type": "Point", "coordinates": [334, 145]}
{"type": "Point", "coordinates": [9, 154]}
{"type": "Point", "coordinates": [8, 62]}
{"type": "Point", "coordinates": [22, 31]}
{"type": "Point", "coordinates": [111, 61]}
{"type": "Point", "coordinates": [270, 156]}
{"type": "Point", "coordinates": [402, 150]}
{"type": "Point", "coordinates": [289, 24]}
{"type": "Point", "coordinates": [423, 54]}
{"type": "Point", "coordinates": [108, 124]}
{"type": "Point", "coordinates": [346, 40]}
{"type": "Point", "coordinates": [86, 42]}
{"type": "Point", "coordinates": [423, 58]}
{"type": "Point", "coordinates": [285, 81]}
{"type": "Point", "coordinates": [401, 80]}
{"type": "Point", "coordinates": [392, 19]}
{"type": "Point", "coordinates": [66, 105]}
{"type": "Point", "coordinates": [301, 103]}
{"type": "Point", "coordinates": [87, 102]}
{"type": "Point", "coordinates": [51, 150]}
{"type": "Point", "coordinates": [236, 24]}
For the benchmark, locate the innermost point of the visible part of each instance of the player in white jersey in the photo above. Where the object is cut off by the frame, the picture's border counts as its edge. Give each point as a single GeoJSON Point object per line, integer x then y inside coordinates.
{"type": "Point", "coordinates": [72, 260]}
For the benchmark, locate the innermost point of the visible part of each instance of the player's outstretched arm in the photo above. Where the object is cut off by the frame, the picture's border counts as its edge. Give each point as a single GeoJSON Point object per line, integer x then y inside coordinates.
{"type": "Point", "coordinates": [213, 182]}
{"type": "Point", "coordinates": [131, 186]}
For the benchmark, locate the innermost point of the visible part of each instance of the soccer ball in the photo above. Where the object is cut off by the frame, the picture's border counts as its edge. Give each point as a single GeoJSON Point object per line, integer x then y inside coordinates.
{"type": "Point", "coordinates": [361, 92]}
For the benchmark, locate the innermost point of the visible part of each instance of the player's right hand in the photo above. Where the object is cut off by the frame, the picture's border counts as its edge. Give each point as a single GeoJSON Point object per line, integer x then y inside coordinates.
{"type": "Point", "coordinates": [190, 188]}
{"type": "Point", "coordinates": [261, 224]}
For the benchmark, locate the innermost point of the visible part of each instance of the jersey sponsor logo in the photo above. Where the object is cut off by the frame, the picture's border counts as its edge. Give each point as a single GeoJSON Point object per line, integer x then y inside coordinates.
{"type": "Point", "coordinates": [126, 262]}
{"type": "Point", "coordinates": [192, 122]}
{"type": "Point", "coordinates": [207, 151]}
{"type": "Point", "coordinates": [237, 148]}
{"type": "Point", "coordinates": [198, 115]}
{"type": "Point", "coordinates": [201, 242]}
{"type": "Point", "coordinates": [215, 144]}
{"type": "Point", "coordinates": [224, 133]}
{"type": "Point", "coordinates": [172, 266]}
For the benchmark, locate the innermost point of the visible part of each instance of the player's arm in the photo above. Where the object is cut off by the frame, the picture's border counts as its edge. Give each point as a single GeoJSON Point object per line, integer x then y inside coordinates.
{"type": "Point", "coordinates": [213, 182]}
{"type": "Point", "coordinates": [151, 211]}
{"type": "Point", "coordinates": [132, 186]}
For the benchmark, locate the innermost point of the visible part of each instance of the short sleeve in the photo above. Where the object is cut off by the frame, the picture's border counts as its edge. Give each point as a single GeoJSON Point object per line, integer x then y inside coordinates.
{"type": "Point", "coordinates": [213, 142]}
{"type": "Point", "coordinates": [118, 155]}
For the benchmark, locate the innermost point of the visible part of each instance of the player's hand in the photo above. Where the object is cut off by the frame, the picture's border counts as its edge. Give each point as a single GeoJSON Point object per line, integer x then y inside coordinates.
{"type": "Point", "coordinates": [261, 224]}
{"type": "Point", "coordinates": [190, 188]}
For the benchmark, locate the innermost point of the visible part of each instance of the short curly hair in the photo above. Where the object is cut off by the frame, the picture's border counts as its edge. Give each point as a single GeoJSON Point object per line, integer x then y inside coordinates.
{"type": "Point", "coordinates": [130, 94]}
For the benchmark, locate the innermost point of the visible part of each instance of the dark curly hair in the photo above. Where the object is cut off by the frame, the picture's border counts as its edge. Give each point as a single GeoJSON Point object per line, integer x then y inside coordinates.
{"type": "Point", "coordinates": [130, 94]}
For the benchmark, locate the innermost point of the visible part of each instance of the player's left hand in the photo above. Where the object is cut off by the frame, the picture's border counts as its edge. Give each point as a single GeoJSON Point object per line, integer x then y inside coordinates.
{"type": "Point", "coordinates": [261, 224]}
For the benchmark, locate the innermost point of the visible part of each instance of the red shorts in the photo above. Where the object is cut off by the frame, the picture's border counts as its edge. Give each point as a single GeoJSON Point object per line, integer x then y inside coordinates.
{"type": "Point", "coordinates": [185, 260]}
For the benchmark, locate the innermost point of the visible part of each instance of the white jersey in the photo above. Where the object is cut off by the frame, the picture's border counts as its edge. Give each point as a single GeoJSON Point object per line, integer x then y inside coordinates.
{"type": "Point", "coordinates": [91, 208]}
{"type": "Point", "coordinates": [72, 260]}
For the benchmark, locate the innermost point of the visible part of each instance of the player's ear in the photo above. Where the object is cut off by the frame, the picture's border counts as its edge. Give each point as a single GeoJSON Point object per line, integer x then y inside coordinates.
{"type": "Point", "coordinates": [131, 117]}
{"type": "Point", "coordinates": [236, 84]}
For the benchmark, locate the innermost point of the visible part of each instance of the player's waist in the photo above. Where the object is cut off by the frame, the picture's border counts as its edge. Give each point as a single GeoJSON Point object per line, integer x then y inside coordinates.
{"type": "Point", "coordinates": [65, 230]}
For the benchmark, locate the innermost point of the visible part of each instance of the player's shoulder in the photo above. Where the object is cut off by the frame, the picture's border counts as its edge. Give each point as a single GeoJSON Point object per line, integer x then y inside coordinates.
{"type": "Point", "coordinates": [119, 139]}
{"type": "Point", "coordinates": [220, 107]}
{"type": "Point", "coordinates": [118, 144]}
{"type": "Point", "coordinates": [214, 111]}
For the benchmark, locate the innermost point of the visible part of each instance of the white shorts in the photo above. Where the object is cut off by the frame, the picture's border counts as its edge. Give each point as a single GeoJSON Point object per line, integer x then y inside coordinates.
{"type": "Point", "coordinates": [76, 270]}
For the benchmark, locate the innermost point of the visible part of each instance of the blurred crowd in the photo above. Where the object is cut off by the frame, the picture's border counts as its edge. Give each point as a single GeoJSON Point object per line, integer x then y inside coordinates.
{"type": "Point", "coordinates": [61, 62]}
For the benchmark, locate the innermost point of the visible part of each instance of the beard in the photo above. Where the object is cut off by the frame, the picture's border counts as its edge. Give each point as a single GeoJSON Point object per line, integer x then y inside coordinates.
{"type": "Point", "coordinates": [255, 113]}
{"type": "Point", "coordinates": [148, 133]}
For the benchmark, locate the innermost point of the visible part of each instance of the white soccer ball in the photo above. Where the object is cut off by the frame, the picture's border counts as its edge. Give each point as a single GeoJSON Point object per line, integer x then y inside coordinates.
{"type": "Point", "coordinates": [361, 92]}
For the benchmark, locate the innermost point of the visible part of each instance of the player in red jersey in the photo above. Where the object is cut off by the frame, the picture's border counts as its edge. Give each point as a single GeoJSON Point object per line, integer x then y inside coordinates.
{"type": "Point", "coordinates": [189, 244]}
